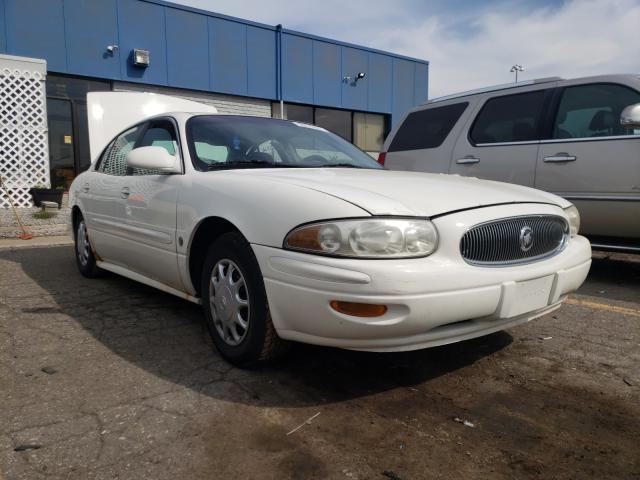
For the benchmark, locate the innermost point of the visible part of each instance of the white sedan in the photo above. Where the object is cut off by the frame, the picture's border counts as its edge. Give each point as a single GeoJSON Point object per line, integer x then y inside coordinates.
{"type": "Point", "coordinates": [284, 231]}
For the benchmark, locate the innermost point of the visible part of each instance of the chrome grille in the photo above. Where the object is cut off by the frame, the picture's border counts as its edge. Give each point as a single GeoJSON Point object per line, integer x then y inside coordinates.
{"type": "Point", "coordinates": [514, 240]}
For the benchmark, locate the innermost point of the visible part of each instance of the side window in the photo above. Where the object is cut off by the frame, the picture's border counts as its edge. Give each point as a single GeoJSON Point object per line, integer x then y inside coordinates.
{"type": "Point", "coordinates": [159, 134]}
{"type": "Point", "coordinates": [426, 128]}
{"type": "Point", "coordinates": [593, 111]}
{"type": "Point", "coordinates": [113, 161]}
{"type": "Point", "coordinates": [510, 118]}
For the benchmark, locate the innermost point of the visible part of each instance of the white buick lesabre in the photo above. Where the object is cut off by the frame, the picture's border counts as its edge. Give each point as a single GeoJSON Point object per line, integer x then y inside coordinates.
{"type": "Point", "coordinates": [284, 231]}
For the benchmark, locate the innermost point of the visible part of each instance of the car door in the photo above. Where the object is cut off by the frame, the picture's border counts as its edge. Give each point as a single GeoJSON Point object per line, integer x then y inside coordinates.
{"type": "Point", "coordinates": [101, 194]}
{"type": "Point", "coordinates": [149, 198]}
{"type": "Point", "coordinates": [590, 159]}
{"type": "Point", "coordinates": [501, 141]}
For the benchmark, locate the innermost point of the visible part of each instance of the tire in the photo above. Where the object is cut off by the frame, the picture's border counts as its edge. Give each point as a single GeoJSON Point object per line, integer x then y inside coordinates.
{"type": "Point", "coordinates": [85, 259]}
{"type": "Point", "coordinates": [235, 304]}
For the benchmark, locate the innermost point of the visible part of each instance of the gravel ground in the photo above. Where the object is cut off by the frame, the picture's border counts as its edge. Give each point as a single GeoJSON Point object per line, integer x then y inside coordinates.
{"type": "Point", "coordinates": [59, 224]}
{"type": "Point", "coordinates": [107, 379]}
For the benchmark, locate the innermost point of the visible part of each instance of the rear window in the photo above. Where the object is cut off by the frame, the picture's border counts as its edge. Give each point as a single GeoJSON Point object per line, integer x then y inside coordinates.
{"type": "Point", "coordinates": [510, 118]}
{"type": "Point", "coordinates": [427, 128]}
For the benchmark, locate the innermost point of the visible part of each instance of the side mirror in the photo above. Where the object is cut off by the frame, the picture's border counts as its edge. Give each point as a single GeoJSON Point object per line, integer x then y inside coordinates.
{"type": "Point", "coordinates": [630, 117]}
{"type": "Point", "coordinates": [153, 158]}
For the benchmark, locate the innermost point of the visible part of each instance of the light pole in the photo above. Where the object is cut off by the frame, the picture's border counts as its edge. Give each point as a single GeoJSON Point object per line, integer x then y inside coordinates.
{"type": "Point", "coordinates": [515, 69]}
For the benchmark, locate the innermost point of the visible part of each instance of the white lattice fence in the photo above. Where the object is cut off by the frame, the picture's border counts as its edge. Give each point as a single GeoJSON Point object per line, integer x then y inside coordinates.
{"type": "Point", "coordinates": [24, 150]}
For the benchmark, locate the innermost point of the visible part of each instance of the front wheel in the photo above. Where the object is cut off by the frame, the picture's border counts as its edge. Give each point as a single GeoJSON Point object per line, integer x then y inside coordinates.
{"type": "Point", "coordinates": [235, 303]}
{"type": "Point", "coordinates": [85, 259]}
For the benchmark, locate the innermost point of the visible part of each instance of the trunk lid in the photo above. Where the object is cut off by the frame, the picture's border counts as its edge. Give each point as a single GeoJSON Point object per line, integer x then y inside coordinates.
{"type": "Point", "coordinates": [109, 113]}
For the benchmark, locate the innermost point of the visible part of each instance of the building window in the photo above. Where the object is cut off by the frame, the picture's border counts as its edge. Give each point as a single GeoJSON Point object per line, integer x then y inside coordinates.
{"type": "Point", "coordinates": [336, 121]}
{"type": "Point", "coordinates": [365, 130]}
{"type": "Point", "coordinates": [369, 130]}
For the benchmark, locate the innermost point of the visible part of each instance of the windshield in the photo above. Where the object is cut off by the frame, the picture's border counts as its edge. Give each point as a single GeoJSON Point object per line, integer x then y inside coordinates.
{"type": "Point", "coordinates": [224, 142]}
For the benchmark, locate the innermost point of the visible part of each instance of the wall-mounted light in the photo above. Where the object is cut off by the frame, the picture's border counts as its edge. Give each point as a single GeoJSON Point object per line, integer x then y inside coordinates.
{"type": "Point", "coordinates": [358, 76]}
{"type": "Point", "coordinates": [140, 58]}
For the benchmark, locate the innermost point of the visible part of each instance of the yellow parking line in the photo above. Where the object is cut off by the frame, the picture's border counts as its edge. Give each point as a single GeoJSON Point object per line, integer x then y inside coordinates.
{"type": "Point", "coordinates": [603, 306]}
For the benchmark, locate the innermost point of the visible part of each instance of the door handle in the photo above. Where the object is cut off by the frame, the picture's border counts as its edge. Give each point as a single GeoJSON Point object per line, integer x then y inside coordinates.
{"type": "Point", "coordinates": [560, 158]}
{"type": "Point", "coordinates": [467, 160]}
{"type": "Point", "coordinates": [124, 193]}
{"type": "Point", "coordinates": [85, 188]}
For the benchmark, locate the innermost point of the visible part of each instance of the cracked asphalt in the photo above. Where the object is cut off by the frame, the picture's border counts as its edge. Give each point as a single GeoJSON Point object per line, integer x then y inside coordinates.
{"type": "Point", "coordinates": [110, 379]}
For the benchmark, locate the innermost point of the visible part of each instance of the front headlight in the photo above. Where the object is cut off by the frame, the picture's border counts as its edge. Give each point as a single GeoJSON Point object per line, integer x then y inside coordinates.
{"type": "Point", "coordinates": [574, 219]}
{"type": "Point", "coordinates": [366, 238]}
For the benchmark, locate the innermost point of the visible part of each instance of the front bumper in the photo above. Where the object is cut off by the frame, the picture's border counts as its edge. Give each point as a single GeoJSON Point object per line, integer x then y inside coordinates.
{"type": "Point", "coordinates": [431, 301]}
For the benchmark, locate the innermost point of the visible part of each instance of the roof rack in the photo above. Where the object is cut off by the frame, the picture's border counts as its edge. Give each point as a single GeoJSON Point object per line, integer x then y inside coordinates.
{"type": "Point", "coordinates": [494, 88]}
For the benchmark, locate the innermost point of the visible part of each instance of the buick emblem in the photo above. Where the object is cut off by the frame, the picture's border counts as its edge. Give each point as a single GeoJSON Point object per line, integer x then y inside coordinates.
{"type": "Point", "coordinates": [526, 238]}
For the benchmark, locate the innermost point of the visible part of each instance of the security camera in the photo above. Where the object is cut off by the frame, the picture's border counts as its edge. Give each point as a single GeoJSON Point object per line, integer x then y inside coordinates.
{"type": "Point", "coordinates": [360, 76]}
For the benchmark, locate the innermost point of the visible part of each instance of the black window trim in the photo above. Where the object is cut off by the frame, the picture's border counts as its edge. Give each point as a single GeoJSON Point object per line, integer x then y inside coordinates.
{"type": "Point", "coordinates": [548, 97]}
{"type": "Point", "coordinates": [552, 113]}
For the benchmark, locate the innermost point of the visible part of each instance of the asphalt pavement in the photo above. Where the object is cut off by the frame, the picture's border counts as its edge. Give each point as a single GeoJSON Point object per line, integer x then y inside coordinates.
{"type": "Point", "coordinates": [110, 379]}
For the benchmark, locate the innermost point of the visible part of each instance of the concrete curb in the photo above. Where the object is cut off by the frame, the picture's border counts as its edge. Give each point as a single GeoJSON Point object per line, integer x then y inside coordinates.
{"type": "Point", "coordinates": [51, 241]}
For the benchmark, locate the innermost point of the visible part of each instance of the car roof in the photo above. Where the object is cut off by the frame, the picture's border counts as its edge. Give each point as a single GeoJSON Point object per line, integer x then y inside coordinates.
{"type": "Point", "coordinates": [528, 83]}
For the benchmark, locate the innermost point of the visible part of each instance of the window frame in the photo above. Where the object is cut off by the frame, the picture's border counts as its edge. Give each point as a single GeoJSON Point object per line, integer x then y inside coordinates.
{"type": "Point", "coordinates": [548, 95]}
{"type": "Point", "coordinates": [552, 113]}
{"type": "Point", "coordinates": [464, 104]}
{"type": "Point", "coordinates": [144, 125]}
{"type": "Point", "coordinates": [110, 144]}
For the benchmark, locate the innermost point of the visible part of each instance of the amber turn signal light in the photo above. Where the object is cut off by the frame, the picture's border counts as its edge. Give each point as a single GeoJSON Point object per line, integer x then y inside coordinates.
{"type": "Point", "coordinates": [358, 309]}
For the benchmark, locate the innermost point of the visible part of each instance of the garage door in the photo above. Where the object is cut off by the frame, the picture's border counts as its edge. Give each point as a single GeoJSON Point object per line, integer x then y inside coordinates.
{"type": "Point", "coordinates": [226, 104]}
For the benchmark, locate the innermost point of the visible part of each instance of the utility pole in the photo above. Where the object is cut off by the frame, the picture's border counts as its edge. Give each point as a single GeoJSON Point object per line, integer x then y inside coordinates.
{"type": "Point", "coordinates": [515, 69]}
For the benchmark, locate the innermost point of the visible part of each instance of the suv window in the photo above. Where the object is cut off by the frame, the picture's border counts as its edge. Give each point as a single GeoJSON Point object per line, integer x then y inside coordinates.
{"type": "Point", "coordinates": [593, 111]}
{"type": "Point", "coordinates": [159, 134]}
{"type": "Point", "coordinates": [426, 128]}
{"type": "Point", "coordinates": [509, 118]}
{"type": "Point", "coordinates": [113, 161]}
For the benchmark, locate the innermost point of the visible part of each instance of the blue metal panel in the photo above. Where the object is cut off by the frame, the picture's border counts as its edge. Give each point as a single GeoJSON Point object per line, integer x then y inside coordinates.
{"type": "Point", "coordinates": [228, 56]}
{"type": "Point", "coordinates": [35, 28]}
{"type": "Point", "coordinates": [354, 93]}
{"type": "Point", "coordinates": [297, 68]}
{"type": "Point", "coordinates": [92, 25]}
{"type": "Point", "coordinates": [187, 49]}
{"type": "Point", "coordinates": [141, 25]}
{"type": "Point", "coordinates": [403, 87]}
{"type": "Point", "coordinates": [420, 84]}
{"type": "Point", "coordinates": [261, 62]}
{"type": "Point", "coordinates": [3, 37]}
{"type": "Point", "coordinates": [380, 78]}
{"type": "Point", "coordinates": [327, 74]}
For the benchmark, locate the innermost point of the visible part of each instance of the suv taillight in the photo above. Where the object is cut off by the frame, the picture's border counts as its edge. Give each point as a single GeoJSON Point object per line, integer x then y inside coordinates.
{"type": "Point", "coordinates": [382, 156]}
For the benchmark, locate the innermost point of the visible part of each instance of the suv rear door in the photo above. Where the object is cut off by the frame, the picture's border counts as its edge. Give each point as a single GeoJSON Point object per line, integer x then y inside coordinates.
{"type": "Point", "coordinates": [501, 141]}
{"type": "Point", "coordinates": [590, 159]}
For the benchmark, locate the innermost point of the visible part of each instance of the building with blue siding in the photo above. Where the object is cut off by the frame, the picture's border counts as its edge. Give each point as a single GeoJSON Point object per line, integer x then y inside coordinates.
{"type": "Point", "coordinates": [240, 66]}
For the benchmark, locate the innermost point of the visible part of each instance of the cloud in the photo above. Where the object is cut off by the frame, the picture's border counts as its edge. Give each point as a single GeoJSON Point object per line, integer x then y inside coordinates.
{"type": "Point", "coordinates": [470, 44]}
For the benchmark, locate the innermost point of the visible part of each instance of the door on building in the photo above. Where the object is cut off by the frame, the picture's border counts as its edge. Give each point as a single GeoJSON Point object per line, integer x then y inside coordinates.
{"type": "Point", "coordinates": [61, 151]}
{"type": "Point", "coordinates": [68, 132]}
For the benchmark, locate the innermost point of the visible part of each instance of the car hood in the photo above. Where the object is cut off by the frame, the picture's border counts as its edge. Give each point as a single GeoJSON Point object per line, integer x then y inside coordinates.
{"type": "Point", "coordinates": [385, 192]}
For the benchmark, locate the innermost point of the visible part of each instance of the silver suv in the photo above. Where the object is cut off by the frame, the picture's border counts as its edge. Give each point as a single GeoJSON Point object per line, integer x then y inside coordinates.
{"type": "Point", "coordinates": [577, 138]}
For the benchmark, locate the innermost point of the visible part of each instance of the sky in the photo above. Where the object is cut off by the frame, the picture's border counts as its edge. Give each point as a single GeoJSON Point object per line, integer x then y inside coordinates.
{"type": "Point", "coordinates": [469, 44]}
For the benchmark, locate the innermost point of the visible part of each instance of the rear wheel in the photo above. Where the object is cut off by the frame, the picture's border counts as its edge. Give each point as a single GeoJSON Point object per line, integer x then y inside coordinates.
{"type": "Point", "coordinates": [85, 259]}
{"type": "Point", "coordinates": [235, 303]}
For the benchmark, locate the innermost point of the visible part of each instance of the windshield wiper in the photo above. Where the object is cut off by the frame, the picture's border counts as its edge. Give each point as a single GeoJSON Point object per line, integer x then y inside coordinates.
{"type": "Point", "coordinates": [340, 165]}
{"type": "Point", "coordinates": [249, 164]}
